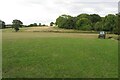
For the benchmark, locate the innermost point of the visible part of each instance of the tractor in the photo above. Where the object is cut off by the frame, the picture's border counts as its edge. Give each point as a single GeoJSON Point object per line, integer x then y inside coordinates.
{"type": "Point", "coordinates": [102, 35]}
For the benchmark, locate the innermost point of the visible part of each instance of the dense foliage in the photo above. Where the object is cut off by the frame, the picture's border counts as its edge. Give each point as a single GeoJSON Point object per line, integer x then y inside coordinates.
{"type": "Point", "coordinates": [89, 22]}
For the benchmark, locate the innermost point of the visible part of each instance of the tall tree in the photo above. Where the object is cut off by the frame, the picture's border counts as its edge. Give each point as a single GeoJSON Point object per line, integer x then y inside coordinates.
{"type": "Point", "coordinates": [16, 24]}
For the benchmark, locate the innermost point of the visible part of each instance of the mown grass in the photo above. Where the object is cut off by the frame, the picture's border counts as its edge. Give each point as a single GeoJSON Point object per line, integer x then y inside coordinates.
{"type": "Point", "coordinates": [56, 55]}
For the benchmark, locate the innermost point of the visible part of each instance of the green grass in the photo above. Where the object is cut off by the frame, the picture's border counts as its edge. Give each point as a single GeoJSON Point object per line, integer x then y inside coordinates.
{"type": "Point", "coordinates": [56, 55]}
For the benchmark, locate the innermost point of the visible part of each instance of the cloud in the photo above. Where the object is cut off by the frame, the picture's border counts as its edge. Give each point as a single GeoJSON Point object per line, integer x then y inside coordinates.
{"type": "Point", "coordinates": [45, 11]}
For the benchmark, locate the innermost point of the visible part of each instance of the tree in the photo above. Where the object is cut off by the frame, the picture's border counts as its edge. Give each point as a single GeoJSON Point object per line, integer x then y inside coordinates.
{"type": "Point", "coordinates": [2, 24]}
{"type": "Point", "coordinates": [39, 24]}
{"type": "Point", "coordinates": [35, 24]}
{"type": "Point", "coordinates": [98, 26]}
{"type": "Point", "coordinates": [118, 23]}
{"type": "Point", "coordinates": [16, 24]}
{"type": "Point", "coordinates": [63, 21]}
{"type": "Point", "coordinates": [110, 22]}
{"type": "Point", "coordinates": [94, 19]}
{"type": "Point", "coordinates": [71, 23]}
{"type": "Point", "coordinates": [44, 25]}
{"type": "Point", "coordinates": [116, 29]}
{"type": "Point", "coordinates": [83, 24]}
{"type": "Point", "coordinates": [52, 23]}
{"type": "Point", "coordinates": [83, 16]}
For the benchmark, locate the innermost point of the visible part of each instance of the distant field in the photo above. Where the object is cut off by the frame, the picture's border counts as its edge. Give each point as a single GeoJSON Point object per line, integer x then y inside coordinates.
{"type": "Point", "coordinates": [47, 29]}
{"type": "Point", "coordinates": [30, 54]}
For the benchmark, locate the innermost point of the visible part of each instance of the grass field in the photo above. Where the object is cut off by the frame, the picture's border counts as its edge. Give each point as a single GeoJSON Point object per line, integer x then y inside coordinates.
{"type": "Point", "coordinates": [56, 55]}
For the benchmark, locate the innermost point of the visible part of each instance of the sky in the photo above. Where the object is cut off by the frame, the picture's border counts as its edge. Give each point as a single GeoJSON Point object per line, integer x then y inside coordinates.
{"type": "Point", "coordinates": [46, 11]}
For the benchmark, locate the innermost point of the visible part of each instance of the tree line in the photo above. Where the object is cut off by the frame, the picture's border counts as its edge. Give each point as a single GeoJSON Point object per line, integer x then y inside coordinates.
{"type": "Point", "coordinates": [85, 22]}
{"type": "Point", "coordinates": [89, 22]}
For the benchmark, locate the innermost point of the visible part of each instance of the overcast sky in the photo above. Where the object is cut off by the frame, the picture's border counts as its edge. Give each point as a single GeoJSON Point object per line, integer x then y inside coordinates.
{"type": "Point", "coordinates": [46, 11]}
